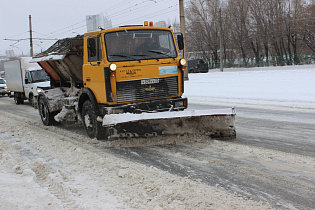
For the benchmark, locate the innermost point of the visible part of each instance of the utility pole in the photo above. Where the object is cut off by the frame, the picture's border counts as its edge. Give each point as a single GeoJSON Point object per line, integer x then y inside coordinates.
{"type": "Point", "coordinates": [31, 35]}
{"type": "Point", "coordinates": [221, 40]}
{"type": "Point", "coordinates": [182, 30]}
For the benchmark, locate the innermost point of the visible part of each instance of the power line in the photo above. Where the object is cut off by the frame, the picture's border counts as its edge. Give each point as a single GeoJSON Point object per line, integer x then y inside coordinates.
{"type": "Point", "coordinates": [29, 39]}
{"type": "Point", "coordinates": [18, 34]}
{"type": "Point", "coordinates": [136, 5]}
{"type": "Point", "coordinates": [121, 13]}
{"type": "Point", "coordinates": [141, 17]}
{"type": "Point", "coordinates": [43, 34]}
{"type": "Point", "coordinates": [117, 5]}
{"type": "Point", "coordinates": [84, 25]}
{"type": "Point", "coordinates": [113, 14]}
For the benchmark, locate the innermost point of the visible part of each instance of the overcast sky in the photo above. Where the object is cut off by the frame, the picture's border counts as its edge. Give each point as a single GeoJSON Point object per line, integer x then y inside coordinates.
{"type": "Point", "coordinates": [53, 19]}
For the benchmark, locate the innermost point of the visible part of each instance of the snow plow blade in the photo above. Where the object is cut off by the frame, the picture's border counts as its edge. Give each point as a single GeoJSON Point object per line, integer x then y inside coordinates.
{"type": "Point", "coordinates": [217, 124]}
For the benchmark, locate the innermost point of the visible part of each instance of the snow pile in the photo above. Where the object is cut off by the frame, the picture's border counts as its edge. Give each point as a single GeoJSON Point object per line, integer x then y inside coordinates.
{"type": "Point", "coordinates": [290, 86]}
{"type": "Point", "coordinates": [47, 58]}
{"type": "Point", "coordinates": [66, 114]}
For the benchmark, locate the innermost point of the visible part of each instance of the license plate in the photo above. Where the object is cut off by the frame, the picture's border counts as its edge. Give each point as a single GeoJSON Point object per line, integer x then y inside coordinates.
{"type": "Point", "coordinates": [149, 81]}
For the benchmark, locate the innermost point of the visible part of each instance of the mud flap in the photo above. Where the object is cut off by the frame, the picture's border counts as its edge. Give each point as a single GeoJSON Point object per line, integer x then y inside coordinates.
{"type": "Point", "coordinates": [217, 124]}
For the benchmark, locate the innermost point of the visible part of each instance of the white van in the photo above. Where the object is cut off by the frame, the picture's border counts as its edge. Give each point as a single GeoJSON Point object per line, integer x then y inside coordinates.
{"type": "Point", "coordinates": [24, 78]}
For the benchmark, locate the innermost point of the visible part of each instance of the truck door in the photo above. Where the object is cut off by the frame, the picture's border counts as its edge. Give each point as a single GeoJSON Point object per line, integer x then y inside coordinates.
{"type": "Point", "coordinates": [27, 83]}
{"type": "Point", "coordinates": [93, 70]}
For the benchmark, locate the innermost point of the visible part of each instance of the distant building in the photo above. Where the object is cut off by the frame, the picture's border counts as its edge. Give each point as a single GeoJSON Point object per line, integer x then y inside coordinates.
{"type": "Point", "coordinates": [9, 53]}
{"type": "Point", "coordinates": [107, 23]}
{"type": "Point", "coordinates": [160, 24]}
{"type": "Point", "coordinates": [94, 21]}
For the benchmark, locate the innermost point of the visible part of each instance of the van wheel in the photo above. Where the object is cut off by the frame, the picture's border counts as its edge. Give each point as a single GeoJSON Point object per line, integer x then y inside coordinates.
{"type": "Point", "coordinates": [18, 99]}
{"type": "Point", "coordinates": [31, 99]}
{"type": "Point", "coordinates": [93, 128]}
{"type": "Point", "coordinates": [46, 116]}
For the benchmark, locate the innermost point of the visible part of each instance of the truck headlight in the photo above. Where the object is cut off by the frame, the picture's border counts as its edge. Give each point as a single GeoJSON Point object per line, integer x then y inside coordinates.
{"type": "Point", "coordinates": [39, 90]}
{"type": "Point", "coordinates": [182, 61]}
{"type": "Point", "coordinates": [113, 67]}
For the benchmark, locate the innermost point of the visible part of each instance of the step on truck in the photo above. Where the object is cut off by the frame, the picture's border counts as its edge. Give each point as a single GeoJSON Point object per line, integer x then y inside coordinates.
{"type": "Point", "coordinates": [24, 78]}
{"type": "Point", "coordinates": [124, 82]}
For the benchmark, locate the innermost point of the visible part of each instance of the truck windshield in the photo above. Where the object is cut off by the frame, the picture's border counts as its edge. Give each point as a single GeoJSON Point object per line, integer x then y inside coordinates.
{"type": "Point", "coordinates": [131, 45]}
{"type": "Point", "coordinates": [39, 76]}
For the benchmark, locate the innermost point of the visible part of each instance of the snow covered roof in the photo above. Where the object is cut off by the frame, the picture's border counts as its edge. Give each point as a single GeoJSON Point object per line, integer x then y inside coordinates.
{"type": "Point", "coordinates": [60, 49]}
{"type": "Point", "coordinates": [63, 46]}
{"type": "Point", "coordinates": [47, 58]}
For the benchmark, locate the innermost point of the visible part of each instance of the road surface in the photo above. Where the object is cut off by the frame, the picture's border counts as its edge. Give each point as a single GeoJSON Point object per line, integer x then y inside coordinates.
{"type": "Point", "coordinates": [272, 159]}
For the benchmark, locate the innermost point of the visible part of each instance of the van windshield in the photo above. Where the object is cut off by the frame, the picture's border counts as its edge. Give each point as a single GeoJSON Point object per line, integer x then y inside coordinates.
{"type": "Point", "coordinates": [131, 45]}
{"type": "Point", "coordinates": [39, 76]}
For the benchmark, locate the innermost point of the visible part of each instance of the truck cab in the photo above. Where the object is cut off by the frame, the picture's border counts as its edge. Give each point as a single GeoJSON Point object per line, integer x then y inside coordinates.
{"type": "Point", "coordinates": [35, 78]}
{"type": "Point", "coordinates": [133, 65]}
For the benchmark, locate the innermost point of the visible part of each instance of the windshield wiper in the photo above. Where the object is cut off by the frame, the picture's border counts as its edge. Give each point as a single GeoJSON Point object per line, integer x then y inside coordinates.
{"type": "Point", "coordinates": [125, 56]}
{"type": "Point", "coordinates": [145, 55]}
{"type": "Point", "coordinates": [158, 52]}
{"type": "Point", "coordinates": [161, 53]}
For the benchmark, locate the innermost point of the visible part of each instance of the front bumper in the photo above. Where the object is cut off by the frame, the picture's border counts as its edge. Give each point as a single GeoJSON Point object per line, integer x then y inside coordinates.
{"type": "Point", "coordinates": [4, 91]}
{"type": "Point", "coordinates": [161, 105]}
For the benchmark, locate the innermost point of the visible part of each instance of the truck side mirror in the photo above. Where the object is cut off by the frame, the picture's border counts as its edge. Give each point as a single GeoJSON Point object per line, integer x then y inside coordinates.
{"type": "Point", "coordinates": [180, 41]}
{"type": "Point", "coordinates": [26, 80]}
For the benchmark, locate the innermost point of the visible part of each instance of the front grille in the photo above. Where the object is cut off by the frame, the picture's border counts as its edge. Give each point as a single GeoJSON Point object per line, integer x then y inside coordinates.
{"type": "Point", "coordinates": [134, 91]}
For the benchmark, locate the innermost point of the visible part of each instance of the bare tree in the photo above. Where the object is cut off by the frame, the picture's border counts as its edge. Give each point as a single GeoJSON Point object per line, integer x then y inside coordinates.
{"type": "Point", "coordinates": [309, 27]}
{"type": "Point", "coordinates": [203, 31]}
{"type": "Point", "coordinates": [253, 29]}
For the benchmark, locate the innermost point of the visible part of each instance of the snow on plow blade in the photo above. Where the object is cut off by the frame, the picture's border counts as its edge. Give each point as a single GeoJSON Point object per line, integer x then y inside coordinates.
{"type": "Point", "coordinates": [217, 124]}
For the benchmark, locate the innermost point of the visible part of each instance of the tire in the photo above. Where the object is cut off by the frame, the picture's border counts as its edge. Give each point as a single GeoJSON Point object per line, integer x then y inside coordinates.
{"type": "Point", "coordinates": [93, 128]}
{"type": "Point", "coordinates": [18, 99]}
{"type": "Point", "coordinates": [46, 116]}
{"type": "Point", "coordinates": [31, 99]}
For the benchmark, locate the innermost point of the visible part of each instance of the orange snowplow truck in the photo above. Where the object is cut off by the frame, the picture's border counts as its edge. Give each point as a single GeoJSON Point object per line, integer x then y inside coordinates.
{"type": "Point", "coordinates": [116, 72]}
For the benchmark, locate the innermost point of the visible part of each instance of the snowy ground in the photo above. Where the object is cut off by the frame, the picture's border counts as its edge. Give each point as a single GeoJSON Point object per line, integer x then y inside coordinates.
{"type": "Point", "coordinates": [289, 86]}
{"type": "Point", "coordinates": [51, 168]}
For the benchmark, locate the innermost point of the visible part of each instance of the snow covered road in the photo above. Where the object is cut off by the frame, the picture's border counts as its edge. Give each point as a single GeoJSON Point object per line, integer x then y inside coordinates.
{"type": "Point", "coordinates": [271, 163]}
{"type": "Point", "coordinates": [53, 168]}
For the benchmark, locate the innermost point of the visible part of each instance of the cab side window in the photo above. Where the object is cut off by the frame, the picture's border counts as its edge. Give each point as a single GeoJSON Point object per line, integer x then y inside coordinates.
{"type": "Point", "coordinates": [94, 49]}
{"type": "Point", "coordinates": [27, 78]}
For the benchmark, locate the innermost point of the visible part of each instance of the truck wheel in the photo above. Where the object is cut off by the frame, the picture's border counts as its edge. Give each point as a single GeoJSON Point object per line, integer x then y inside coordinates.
{"type": "Point", "coordinates": [18, 99]}
{"type": "Point", "coordinates": [46, 116]}
{"type": "Point", "coordinates": [31, 99]}
{"type": "Point", "coordinates": [93, 128]}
